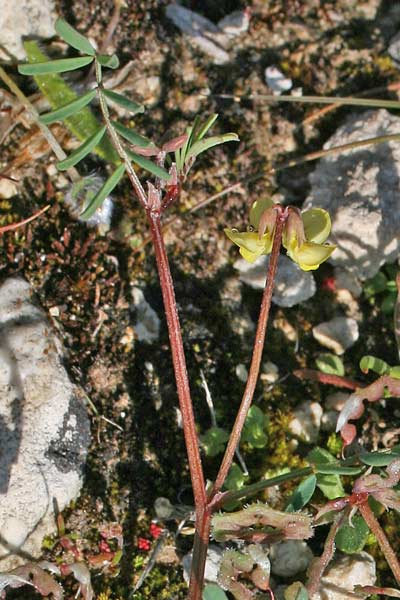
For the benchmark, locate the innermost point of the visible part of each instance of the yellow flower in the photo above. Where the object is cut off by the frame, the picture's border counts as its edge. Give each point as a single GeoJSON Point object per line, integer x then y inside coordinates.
{"type": "Point", "coordinates": [304, 234]}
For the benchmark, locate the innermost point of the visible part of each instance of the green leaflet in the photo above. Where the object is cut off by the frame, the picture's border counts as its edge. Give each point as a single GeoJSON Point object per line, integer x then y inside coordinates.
{"type": "Point", "coordinates": [82, 124]}
{"type": "Point", "coordinates": [131, 136]}
{"type": "Point", "coordinates": [206, 144]}
{"type": "Point", "coordinates": [73, 37]}
{"type": "Point", "coordinates": [123, 101]}
{"type": "Point", "coordinates": [55, 66]}
{"type": "Point", "coordinates": [147, 164]}
{"type": "Point", "coordinates": [111, 62]}
{"type": "Point", "coordinates": [102, 194]}
{"type": "Point", "coordinates": [83, 150]}
{"type": "Point", "coordinates": [68, 109]}
{"type": "Point", "coordinates": [374, 364]}
{"type": "Point", "coordinates": [212, 591]}
{"type": "Point", "coordinates": [352, 538]}
{"type": "Point", "coordinates": [330, 363]}
{"type": "Point", "coordinates": [302, 494]}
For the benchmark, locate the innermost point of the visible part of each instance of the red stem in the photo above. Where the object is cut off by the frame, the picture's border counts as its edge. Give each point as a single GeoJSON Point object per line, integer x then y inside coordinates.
{"type": "Point", "coordinates": [179, 362]}
{"type": "Point", "coordinates": [255, 360]}
{"type": "Point", "coordinates": [337, 380]}
{"type": "Point", "coordinates": [381, 538]}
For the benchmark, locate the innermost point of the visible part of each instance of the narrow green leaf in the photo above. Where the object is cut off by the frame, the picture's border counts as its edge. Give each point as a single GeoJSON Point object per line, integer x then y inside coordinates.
{"type": "Point", "coordinates": [302, 494]}
{"type": "Point", "coordinates": [61, 65]}
{"type": "Point", "coordinates": [380, 459]}
{"type": "Point", "coordinates": [332, 100]}
{"type": "Point", "coordinates": [82, 124]}
{"type": "Point", "coordinates": [352, 538]}
{"type": "Point", "coordinates": [83, 150]}
{"type": "Point", "coordinates": [111, 62]}
{"type": "Point", "coordinates": [330, 363]}
{"type": "Point", "coordinates": [102, 194]}
{"type": "Point", "coordinates": [206, 144]}
{"type": "Point", "coordinates": [68, 109]}
{"type": "Point", "coordinates": [132, 137]}
{"type": "Point", "coordinates": [73, 37]}
{"type": "Point", "coordinates": [123, 101]}
{"type": "Point", "coordinates": [327, 469]}
{"type": "Point", "coordinates": [198, 135]}
{"type": "Point", "coordinates": [147, 164]}
{"type": "Point", "coordinates": [213, 592]}
{"type": "Point", "coordinates": [186, 146]}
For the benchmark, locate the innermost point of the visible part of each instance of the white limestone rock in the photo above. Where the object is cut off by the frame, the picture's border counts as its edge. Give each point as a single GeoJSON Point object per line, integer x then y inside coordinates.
{"type": "Point", "coordinates": [289, 558]}
{"type": "Point", "coordinates": [344, 573]}
{"type": "Point", "coordinates": [306, 422]}
{"type": "Point", "coordinates": [44, 427]}
{"type": "Point", "coordinates": [292, 285]}
{"type": "Point", "coordinates": [147, 325]}
{"type": "Point", "coordinates": [214, 557]}
{"type": "Point", "coordinates": [359, 189]}
{"type": "Point", "coordinates": [24, 18]}
{"type": "Point", "coordinates": [338, 334]}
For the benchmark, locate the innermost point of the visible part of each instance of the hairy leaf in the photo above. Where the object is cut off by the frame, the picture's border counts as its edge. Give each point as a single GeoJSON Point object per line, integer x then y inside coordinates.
{"type": "Point", "coordinates": [73, 37]}
{"type": "Point", "coordinates": [62, 65]}
{"type": "Point", "coordinates": [83, 150]}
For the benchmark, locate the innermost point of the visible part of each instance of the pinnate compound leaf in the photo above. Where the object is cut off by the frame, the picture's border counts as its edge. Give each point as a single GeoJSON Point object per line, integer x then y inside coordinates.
{"type": "Point", "coordinates": [68, 109]}
{"type": "Point", "coordinates": [62, 65]}
{"type": "Point", "coordinates": [352, 538]}
{"type": "Point", "coordinates": [212, 591]}
{"type": "Point", "coordinates": [110, 62]}
{"type": "Point", "coordinates": [83, 150]}
{"type": "Point", "coordinates": [330, 364]}
{"type": "Point", "coordinates": [102, 194]}
{"type": "Point", "coordinates": [131, 136]}
{"type": "Point", "coordinates": [73, 37]}
{"type": "Point", "coordinates": [302, 494]}
{"type": "Point", "coordinates": [205, 144]}
{"type": "Point", "coordinates": [148, 165]}
{"type": "Point", "coordinates": [123, 101]}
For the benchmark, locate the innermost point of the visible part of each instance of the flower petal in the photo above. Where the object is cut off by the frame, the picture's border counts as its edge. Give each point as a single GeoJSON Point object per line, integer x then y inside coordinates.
{"type": "Point", "coordinates": [317, 225]}
{"type": "Point", "coordinates": [259, 206]}
{"type": "Point", "coordinates": [251, 246]}
{"type": "Point", "coordinates": [309, 256]}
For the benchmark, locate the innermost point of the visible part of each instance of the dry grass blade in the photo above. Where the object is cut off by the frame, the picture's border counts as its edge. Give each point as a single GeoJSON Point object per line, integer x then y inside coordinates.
{"type": "Point", "coordinates": [14, 226]}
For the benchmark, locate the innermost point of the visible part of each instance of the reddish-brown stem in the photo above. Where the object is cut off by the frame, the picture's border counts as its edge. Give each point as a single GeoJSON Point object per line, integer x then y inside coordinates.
{"type": "Point", "coordinates": [179, 362]}
{"type": "Point", "coordinates": [255, 361]}
{"type": "Point", "coordinates": [337, 380]}
{"type": "Point", "coordinates": [200, 547]}
{"type": "Point", "coordinates": [319, 565]}
{"type": "Point", "coordinates": [381, 538]}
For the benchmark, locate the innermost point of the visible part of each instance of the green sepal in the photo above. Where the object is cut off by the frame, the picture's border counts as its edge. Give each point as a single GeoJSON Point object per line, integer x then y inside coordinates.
{"type": "Point", "coordinates": [73, 37]}
{"type": "Point", "coordinates": [62, 65]}
{"type": "Point", "coordinates": [83, 150]}
{"type": "Point", "coordinates": [102, 194]}
{"type": "Point", "coordinates": [123, 101]}
{"type": "Point", "coordinates": [68, 109]}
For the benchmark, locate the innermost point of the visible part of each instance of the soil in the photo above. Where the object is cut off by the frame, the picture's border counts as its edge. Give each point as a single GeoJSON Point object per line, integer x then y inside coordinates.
{"type": "Point", "coordinates": [83, 277]}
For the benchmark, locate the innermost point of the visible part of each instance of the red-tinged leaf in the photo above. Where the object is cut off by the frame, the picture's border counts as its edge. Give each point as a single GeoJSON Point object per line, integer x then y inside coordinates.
{"type": "Point", "coordinates": [175, 143]}
{"type": "Point", "coordinates": [149, 151]}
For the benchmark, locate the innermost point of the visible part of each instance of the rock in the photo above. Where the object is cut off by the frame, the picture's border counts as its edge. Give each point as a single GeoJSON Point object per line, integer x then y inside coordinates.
{"type": "Point", "coordinates": [44, 431]}
{"type": "Point", "coordinates": [236, 23]}
{"type": "Point", "coordinates": [359, 189]}
{"type": "Point", "coordinates": [289, 558]}
{"type": "Point", "coordinates": [276, 80]}
{"type": "Point", "coordinates": [292, 285]}
{"type": "Point", "coordinates": [306, 422]}
{"type": "Point", "coordinates": [344, 573]}
{"type": "Point", "coordinates": [201, 32]}
{"type": "Point", "coordinates": [8, 188]}
{"type": "Point", "coordinates": [394, 48]}
{"type": "Point", "coordinates": [338, 335]}
{"type": "Point", "coordinates": [147, 326]}
{"type": "Point", "coordinates": [269, 372]}
{"type": "Point", "coordinates": [241, 372]}
{"type": "Point", "coordinates": [214, 556]}
{"type": "Point", "coordinates": [24, 18]}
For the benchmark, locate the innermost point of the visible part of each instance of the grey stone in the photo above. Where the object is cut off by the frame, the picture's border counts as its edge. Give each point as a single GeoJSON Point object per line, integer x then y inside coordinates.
{"type": "Point", "coordinates": [306, 421]}
{"type": "Point", "coordinates": [201, 32]}
{"type": "Point", "coordinates": [276, 80]}
{"type": "Point", "coordinates": [360, 190]}
{"type": "Point", "coordinates": [147, 326]}
{"type": "Point", "coordinates": [24, 18]}
{"type": "Point", "coordinates": [236, 23]}
{"type": "Point", "coordinates": [289, 558]}
{"type": "Point", "coordinates": [394, 48]}
{"type": "Point", "coordinates": [292, 285]}
{"type": "Point", "coordinates": [338, 334]}
{"type": "Point", "coordinates": [214, 557]}
{"type": "Point", "coordinates": [44, 427]}
{"type": "Point", "coordinates": [344, 573]}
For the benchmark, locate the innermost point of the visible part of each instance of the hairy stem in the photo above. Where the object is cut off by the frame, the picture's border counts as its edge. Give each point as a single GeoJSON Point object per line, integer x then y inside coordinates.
{"type": "Point", "coordinates": [381, 538]}
{"type": "Point", "coordinates": [255, 361]}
